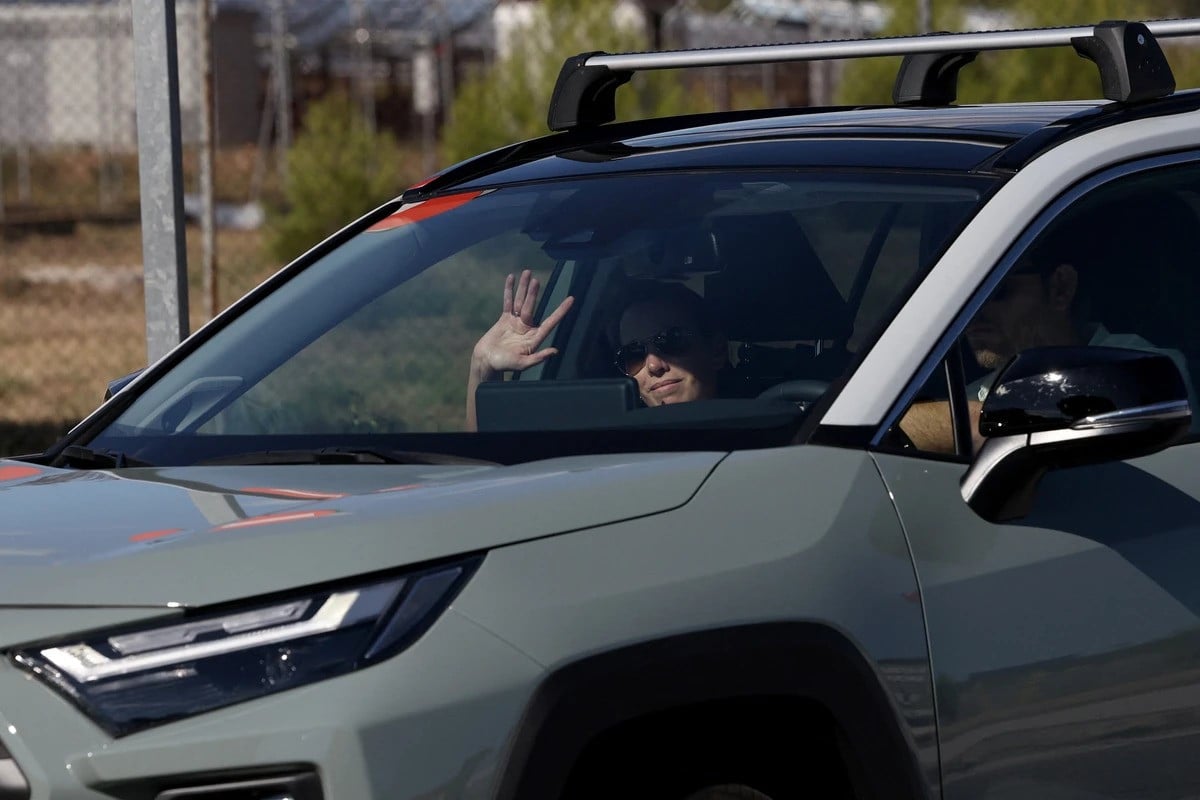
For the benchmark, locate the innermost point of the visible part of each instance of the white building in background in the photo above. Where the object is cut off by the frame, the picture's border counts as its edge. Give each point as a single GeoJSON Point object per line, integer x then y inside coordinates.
{"type": "Point", "coordinates": [513, 19]}
{"type": "Point", "coordinates": [67, 75]}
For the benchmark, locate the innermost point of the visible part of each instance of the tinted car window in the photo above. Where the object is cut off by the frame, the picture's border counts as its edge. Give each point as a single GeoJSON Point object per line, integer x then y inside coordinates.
{"type": "Point", "coordinates": [1115, 269]}
{"type": "Point", "coordinates": [375, 338]}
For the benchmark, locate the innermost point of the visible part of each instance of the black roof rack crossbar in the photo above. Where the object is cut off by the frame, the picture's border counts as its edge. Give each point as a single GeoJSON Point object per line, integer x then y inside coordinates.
{"type": "Point", "coordinates": [1132, 67]}
{"type": "Point", "coordinates": [1124, 53]}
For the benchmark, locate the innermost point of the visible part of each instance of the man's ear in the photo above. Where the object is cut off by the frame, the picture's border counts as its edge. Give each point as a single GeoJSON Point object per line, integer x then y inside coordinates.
{"type": "Point", "coordinates": [1062, 285]}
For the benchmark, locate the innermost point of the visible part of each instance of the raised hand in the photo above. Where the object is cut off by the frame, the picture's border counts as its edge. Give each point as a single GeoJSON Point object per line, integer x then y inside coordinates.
{"type": "Point", "coordinates": [512, 342]}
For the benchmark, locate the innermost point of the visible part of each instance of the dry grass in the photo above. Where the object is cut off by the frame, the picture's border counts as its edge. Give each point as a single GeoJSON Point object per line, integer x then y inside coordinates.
{"type": "Point", "coordinates": [58, 349]}
{"type": "Point", "coordinates": [62, 338]}
{"type": "Point", "coordinates": [72, 314]}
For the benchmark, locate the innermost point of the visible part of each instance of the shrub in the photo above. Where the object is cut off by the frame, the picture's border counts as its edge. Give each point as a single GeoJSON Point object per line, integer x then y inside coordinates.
{"type": "Point", "coordinates": [338, 169]}
{"type": "Point", "coordinates": [509, 102]}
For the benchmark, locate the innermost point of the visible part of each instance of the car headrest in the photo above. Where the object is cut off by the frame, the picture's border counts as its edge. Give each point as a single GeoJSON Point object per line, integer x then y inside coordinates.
{"type": "Point", "coordinates": [1133, 253]}
{"type": "Point", "coordinates": [772, 286]}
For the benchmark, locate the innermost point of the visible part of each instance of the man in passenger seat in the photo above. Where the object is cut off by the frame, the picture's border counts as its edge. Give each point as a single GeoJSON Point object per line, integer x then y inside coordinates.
{"type": "Point", "coordinates": [1035, 305]}
{"type": "Point", "coordinates": [670, 342]}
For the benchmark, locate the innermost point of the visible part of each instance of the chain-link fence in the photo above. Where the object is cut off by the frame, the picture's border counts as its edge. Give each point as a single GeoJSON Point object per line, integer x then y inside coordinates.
{"type": "Point", "coordinates": [251, 72]}
{"type": "Point", "coordinates": [71, 305]}
{"type": "Point", "coordinates": [69, 263]}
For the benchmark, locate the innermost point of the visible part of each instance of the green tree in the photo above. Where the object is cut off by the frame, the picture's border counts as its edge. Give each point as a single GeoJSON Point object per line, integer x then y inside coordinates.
{"type": "Point", "coordinates": [1033, 74]}
{"type": "Point", "coordinates": [869, 81]}
{"type": "Point", "coordinates": [338, 169]}
{"type": "Point", "coordinates": [509, 103]}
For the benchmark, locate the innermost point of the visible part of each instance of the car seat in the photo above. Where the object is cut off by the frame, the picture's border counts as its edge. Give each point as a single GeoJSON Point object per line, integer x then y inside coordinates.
{"type": "Point", "coordinates": [1136, 258]}
{"type": "Point", "coordinates": [775, 298]}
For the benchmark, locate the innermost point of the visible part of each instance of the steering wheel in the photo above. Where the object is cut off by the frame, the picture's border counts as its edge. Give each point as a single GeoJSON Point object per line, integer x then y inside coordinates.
{"type": "Point", "coordinates": [802, 392]}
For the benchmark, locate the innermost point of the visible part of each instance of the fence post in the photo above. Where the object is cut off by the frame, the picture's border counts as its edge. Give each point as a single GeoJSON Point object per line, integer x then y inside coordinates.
{"type": "Point", "coordinates": [160, 175]}
{"type": "Point", "coordinates": [281, 71]}
{"type": "Point", "coordinates": [208, 146]}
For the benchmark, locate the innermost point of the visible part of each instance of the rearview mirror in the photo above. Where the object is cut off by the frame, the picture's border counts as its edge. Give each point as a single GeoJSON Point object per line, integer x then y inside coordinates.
{"type": "Point", "coordinates": [1058, 407]}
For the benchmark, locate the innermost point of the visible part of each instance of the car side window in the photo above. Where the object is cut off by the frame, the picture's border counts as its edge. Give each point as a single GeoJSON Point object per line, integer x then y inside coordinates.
{"type": "Point", "coordinates": [1118, 268]}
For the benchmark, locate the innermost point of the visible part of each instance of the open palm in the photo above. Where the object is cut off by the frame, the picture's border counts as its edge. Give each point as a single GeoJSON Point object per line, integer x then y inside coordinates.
{"type": "Point", "coordinates": [512, 342]}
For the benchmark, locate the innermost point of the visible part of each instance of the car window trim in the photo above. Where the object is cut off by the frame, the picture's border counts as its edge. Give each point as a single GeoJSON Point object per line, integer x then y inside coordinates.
{"type": "Point", "coordinates": [984, 290]}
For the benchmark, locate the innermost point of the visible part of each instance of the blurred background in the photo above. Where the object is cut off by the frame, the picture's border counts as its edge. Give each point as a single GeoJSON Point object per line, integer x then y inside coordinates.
{"type": "Point", "coordinates": [303, 114]}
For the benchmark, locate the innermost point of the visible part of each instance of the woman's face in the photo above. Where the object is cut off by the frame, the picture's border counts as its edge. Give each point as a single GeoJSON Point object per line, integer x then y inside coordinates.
{"type": "Point", "coordinates": [672, 378]}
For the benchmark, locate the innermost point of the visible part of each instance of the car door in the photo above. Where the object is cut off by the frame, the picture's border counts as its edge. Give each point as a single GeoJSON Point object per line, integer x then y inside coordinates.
{"type": "Point", "coordinates": [1065, 644]}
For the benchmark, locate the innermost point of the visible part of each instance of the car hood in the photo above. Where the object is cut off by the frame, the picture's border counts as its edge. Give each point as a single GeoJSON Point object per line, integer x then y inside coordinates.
{"type": "Point", "coordinates": [188, 536]}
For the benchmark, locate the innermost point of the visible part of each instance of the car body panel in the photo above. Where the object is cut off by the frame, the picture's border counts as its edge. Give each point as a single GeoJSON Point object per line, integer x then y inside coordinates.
{"type": "Point", "coordinates": [819, 149]}
{"type": "Point", "coordinates": [1064, 644]}
{"type": "Point", "coordinates": [275, 528]}
{"type": "Point", "coordinates": [820, 543]}
{"type": "Point", "coordinates": [939, 138]}
{"type": "Point", "coordinates": [1010, 119]}
{"type": "Point", "coordinates": [436, 748]}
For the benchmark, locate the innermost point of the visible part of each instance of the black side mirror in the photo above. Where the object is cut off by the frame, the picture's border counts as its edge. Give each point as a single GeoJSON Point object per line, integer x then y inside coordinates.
{"type": "Point", "coordinates": [1058, 407]}
{"type": "Point", "coordinates": [120, 383]}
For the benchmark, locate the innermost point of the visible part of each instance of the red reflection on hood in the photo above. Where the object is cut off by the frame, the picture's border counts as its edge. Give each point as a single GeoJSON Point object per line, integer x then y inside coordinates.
{"type": "Point", "coordinates": [272, 519]}
{"type": "Point", "coordinates": [15, 473]}
{"type": "Point", "coordinates": [424, 209]}
{"type": "Point", "coordinates": [403, 488]}
{"type": "Point", "coordinates": [151, 535]}
{"type": "Point", "coordinates": [291, 494]}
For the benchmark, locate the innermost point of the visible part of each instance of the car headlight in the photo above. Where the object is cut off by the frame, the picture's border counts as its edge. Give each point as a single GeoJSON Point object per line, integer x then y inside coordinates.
{"type": "Point", "coordinates": [135, 678]}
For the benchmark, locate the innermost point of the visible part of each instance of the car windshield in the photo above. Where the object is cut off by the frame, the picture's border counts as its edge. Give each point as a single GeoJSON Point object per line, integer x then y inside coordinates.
{"type": "Point", "coordinates": [788, 273]}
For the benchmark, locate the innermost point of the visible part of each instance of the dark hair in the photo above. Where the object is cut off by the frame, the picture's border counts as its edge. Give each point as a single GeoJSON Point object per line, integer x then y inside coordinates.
{"type": "Point", "coordinates": [675, 295]}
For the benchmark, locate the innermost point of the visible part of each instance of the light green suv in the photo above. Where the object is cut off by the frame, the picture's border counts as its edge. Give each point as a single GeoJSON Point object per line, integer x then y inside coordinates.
{"type": "Point", "coordinates": [783, 453]}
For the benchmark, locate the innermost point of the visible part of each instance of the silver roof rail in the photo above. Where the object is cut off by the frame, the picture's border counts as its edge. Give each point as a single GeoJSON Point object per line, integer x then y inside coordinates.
{"type": "Point", "coordinates": [1132, 66]}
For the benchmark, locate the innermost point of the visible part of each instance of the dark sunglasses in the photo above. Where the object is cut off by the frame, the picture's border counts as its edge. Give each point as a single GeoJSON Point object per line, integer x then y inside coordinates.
{"type": "Point", "coordinates": [631, 357]}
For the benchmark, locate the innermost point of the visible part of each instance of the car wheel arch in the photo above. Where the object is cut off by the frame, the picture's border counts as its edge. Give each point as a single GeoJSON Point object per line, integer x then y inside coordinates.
{"type": "Point", "coordinates": [803, 661]}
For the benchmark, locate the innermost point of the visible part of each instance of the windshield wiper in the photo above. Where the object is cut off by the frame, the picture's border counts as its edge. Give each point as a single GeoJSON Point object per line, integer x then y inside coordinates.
{"type": "Point", "coordinates": [79, 457]}
{"type": "Point", "coordinates": [343, 455]}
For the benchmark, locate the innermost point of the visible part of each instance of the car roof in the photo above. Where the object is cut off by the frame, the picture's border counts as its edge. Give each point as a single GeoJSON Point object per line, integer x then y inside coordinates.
{"type": "Point", "coordinates": [992, 139]}
{"type": "Point", "coordinates": [924, 129]}
{"type": "Point", "coordinates": [1007, 120]}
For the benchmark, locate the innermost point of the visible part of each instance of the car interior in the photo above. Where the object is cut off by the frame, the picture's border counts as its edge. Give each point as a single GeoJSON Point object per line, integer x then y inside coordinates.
{"type": "Point", "coordinates": [771, 295]}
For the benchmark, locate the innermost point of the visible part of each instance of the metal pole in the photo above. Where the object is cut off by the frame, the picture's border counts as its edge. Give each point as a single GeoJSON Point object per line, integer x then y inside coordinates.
{"type": "Point", "coordinates": [425, 100]}
{"type": "Point", "coordinates": [816, 71]}
{"type": "Point", "coordinates": [924, 16]}
{"type": "Point", "coordinates": [100, 38]}
{"type": "Point", "coordinates": [428, 143]}
{"type": "Point", "coordinates": [3, 136]}
{"type": "Point", "coordinates": [283, 88]}
{"type": "Point", "coordinates": [208, 235]}
{"type": "Point", "coordinates": [22, 60]}
{"type": "Point", "coordinates": [446, 60]}
{"type": "Point", "coordinates": [160, 175]}
{"type": "Point", "coordinates": [264, 138]}
{"type": "Point", "coordinates": [364, 66]}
